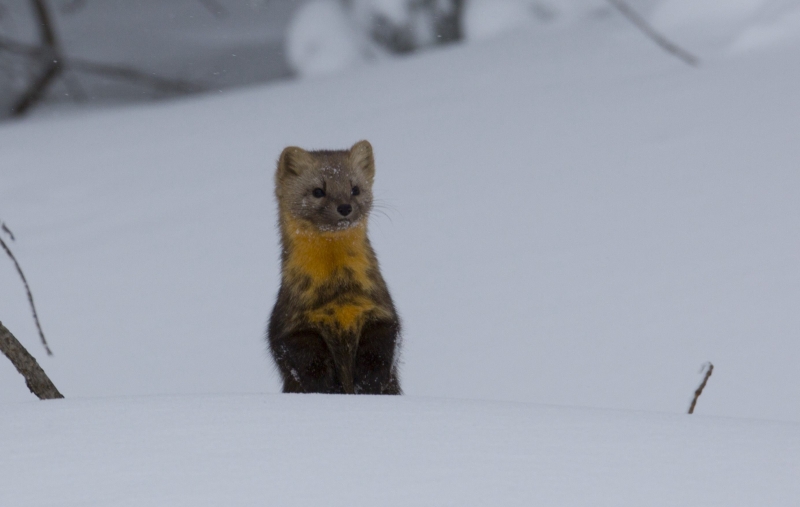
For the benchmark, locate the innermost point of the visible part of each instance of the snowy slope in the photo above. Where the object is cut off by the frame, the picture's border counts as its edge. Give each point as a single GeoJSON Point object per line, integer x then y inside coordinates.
{"type": "Point", "coordinates": [574, 218]}
{"type": "Point", "coordinates": [345, 451]}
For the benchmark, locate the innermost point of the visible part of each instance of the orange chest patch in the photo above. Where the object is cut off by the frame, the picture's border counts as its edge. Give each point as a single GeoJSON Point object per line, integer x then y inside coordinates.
{"type": "Point", "coordinates": [322, 257]}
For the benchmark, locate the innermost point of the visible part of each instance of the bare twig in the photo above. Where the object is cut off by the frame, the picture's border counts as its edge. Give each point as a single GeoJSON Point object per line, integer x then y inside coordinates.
{"type": "Point", "coordinates": [651, 32]}
{"type": "Point", "coordinates": [5, 229]}
{"type": "Point", "coordinates": [37, 89]}
{"type": "Point", "coordinates": [46, 31]}
{"type": "Point", "coordinates": [35, 377]}
{"type": "Point", "coordinates": [20, 48]}
{"type": "Point", "coordinates": [30, 295]}
{"type": "Point", "coordinates": [702, 386]}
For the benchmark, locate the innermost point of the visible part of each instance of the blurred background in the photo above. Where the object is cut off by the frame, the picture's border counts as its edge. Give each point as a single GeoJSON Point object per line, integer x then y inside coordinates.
{"type": "Point", "coordinates": [84, 53]}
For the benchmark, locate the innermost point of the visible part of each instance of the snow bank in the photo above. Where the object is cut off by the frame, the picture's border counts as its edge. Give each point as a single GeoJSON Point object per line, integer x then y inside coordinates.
{"type": "Point", "coordinates": [321, 39]}
{"type": "Point", "coordinates": [346, 451]}
{"type": "Point", "coordinates": [734, 26]}
{"type": "Point", "coordinates": [485, 19]}
{"type": "Point", "coordinates": [777, 24]}
{"type": "Point", "coordinates": [706, 14]}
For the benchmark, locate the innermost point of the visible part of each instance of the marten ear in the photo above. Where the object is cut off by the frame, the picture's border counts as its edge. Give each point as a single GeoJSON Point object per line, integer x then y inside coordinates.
{"type": "Point", "coordinates": [293, 162]}
{"type": "Point", "coordinates": [361, 159]}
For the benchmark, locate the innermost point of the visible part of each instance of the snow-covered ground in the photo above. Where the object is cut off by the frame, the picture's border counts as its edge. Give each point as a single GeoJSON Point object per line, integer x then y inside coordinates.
{"type": "Point", "coordinates": [345, 451]}
{"type": "Point", "coordinates": [572, 218]}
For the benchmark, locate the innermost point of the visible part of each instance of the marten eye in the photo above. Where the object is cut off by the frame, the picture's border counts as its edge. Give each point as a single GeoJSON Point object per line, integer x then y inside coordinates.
{"type": "Point", "coordinates": [318, 193]}
{"type": "Point", "coordinates": [356, 190]}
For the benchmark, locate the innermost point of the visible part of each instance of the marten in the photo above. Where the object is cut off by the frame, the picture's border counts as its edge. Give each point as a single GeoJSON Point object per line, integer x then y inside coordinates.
{"type": "Point", "coordinates": [334, 328]}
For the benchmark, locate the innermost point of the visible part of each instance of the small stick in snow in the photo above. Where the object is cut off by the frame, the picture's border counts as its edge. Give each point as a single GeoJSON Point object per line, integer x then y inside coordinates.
{"type": "Point", "coordinates": [699, 390]}
{"type": "Point", "coordinates": [647, 29]}
{"type": "Point", "coordinates": [27, 289]}
{"type": "Point", "coordinates": [35, 377]}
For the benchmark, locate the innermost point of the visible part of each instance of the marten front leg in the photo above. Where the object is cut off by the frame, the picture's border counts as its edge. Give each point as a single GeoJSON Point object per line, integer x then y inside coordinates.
{"type": "Point", "coordinates": [375, 371]}
{"type": "Point", "coordinates": [306, 364]}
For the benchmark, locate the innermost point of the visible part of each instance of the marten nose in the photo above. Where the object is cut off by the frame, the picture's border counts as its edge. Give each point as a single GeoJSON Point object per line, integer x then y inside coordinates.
{"type": "Point", "coordinates": [344, 209]}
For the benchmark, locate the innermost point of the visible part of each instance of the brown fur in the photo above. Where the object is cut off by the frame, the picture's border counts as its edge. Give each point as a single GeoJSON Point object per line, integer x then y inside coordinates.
{"type": "Point", "coordinates": [334, 328]}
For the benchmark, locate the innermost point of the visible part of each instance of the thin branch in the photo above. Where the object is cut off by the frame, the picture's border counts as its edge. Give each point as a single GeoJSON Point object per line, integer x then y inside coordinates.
{"type": "Point", "coordinates": [699, 390]}
{"type": "Point", "coordinates": [651, 32]}
{"type": "Point", "coordinates": [5, 229]}
{"type": "Point", "coordinates": [35, 378]}
{"type": "Point", "coordinates": [37, 89]}
{"type": "Point", "coordinates": [30, 295]}
{"type": "Point", "coordinates": [20, 48]}
{"type": "Point", "coordinates": [46, 32]}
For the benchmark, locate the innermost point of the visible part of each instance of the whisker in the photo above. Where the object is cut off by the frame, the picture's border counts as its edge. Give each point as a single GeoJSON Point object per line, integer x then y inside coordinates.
{"type": "Point", "coordinates": [384, 214]}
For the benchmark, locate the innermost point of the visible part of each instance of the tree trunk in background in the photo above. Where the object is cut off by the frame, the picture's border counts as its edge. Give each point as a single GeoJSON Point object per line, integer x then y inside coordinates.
{"type": "Point", "coordinates": [50, 58]}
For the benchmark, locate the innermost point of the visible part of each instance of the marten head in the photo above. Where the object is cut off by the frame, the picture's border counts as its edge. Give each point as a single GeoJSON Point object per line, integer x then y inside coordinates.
{"type": "Point", "coordinates": [329, 190]}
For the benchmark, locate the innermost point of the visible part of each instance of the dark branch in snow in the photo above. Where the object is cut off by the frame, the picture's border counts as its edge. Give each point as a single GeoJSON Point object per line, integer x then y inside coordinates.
{"type": "Point", "coordinates": [28, 290]}
{"type": "Point", "coordinates": [651, 32]}
{"type": "Point", "coordinates": [699, 390]}
{"type": "Point", "coordinates": [35, 377]}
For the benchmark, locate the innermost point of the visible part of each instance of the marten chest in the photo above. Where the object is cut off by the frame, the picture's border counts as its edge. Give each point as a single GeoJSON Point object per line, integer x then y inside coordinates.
{"type": "Point", "coordinates": [329, 273]}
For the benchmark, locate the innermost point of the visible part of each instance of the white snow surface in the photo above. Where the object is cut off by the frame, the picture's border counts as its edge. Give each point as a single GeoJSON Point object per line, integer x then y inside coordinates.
{"type": "Point", "coordinates": [300, 450]}
{"type": "Point", "coordinates": [740, 25]}
{"type": "Point", "coordinates": [486, 19]}
{"type": "Point", "coordinates": [567, 217]}
{"type": "Point", "coordinates": [321, 39]}
{"type": "Point", "coordinates": [777, 23]}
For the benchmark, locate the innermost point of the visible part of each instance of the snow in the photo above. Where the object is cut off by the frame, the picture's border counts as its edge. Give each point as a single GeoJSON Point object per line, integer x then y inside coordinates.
{"type": "Point", "coordinates": [570, 218]}
{"type": "Point", "coordinates": [777, 24]}
{"type": "Point", "coordinates": [321, 39]}
{"type": "Point", "coordinates": [309, 450]}
{"type": "Point", "coordinates": [705, 12]}
{"type": "Point", "coordinates": [395, 10]}
{"type": "Point", "coordinates": [485, 19]}
{"type": "Point", "coordinates": [738, 25]}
